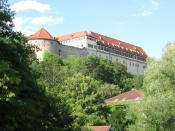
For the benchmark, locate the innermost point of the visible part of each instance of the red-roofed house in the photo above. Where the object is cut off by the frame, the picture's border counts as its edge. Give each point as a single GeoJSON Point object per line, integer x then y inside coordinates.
{"type": "Point", "coordinates": [98, 128]}
{"type": "Point", "coordinates": [132, 95]}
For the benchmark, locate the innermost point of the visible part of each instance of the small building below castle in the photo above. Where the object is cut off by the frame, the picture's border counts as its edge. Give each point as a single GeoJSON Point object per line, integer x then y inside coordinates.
{"type": "Point", "coordinates": [90, 43]}
{"type": "Point", "coordinates": [129, 96]}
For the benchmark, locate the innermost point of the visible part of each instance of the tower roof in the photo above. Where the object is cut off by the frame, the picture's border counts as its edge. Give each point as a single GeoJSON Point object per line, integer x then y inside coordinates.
{"type": "Point", "coordinates": [42, 34]}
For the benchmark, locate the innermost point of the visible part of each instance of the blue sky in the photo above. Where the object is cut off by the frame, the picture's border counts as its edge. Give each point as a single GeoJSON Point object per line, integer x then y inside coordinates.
{"type": "Point", "coordinates": [146, 23]}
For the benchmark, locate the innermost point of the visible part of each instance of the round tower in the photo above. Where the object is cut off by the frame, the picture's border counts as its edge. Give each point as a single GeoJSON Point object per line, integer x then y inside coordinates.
{"type": "Point", "coordinates": [44, 42]}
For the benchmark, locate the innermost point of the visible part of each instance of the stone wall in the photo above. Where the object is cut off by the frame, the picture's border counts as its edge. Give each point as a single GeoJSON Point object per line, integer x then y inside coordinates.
{"type": "Point", "coordinates": [65, 51]}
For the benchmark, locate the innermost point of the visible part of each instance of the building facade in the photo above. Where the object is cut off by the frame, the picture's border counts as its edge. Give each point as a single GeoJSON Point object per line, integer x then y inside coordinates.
{"type": "Point", "coordinates": [90, 43]}
{"type": "Point", "coordinates": [133, 57]}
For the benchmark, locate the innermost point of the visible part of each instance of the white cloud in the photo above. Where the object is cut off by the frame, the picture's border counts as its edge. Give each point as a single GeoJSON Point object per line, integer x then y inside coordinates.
{"type": "Point", "coordinates": [154, 5]}
{"type": "Point", "coordinates": [47, 19]}
{"type": "Point", "coordinates": [30, 5]}
{"type": "Point", "coordinates": [27, 25]}
{"type": "Point", "coordinates": [59, 20]}
{"type": "Point", "coordinates": [19, 21]}
{"type": "Point", "coordinates": [145, 13]}
{"type": "Point", "coordinates": [27, 31]}
{"type": "Point", "coordinates": [22, 25]}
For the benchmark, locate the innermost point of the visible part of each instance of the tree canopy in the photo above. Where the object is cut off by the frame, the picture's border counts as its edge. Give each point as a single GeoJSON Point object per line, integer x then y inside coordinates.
{"type": "Point", "coordinates": [24, 104]}
{"type": "Point", "coordinates": [157, 110]}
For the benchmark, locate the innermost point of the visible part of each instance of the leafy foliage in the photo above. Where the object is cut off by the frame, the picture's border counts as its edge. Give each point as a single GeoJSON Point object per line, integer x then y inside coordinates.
{"type": "Point", "coordinates": [118, 118]}
{"type": "Point", "coordinates": [107, 71]}
{"type": "Point", "coordinates": [156, 112]}
{"type": "Point", "coordinates": [84, 94]}
{"type": "Point", "coordinates": [24, 104]}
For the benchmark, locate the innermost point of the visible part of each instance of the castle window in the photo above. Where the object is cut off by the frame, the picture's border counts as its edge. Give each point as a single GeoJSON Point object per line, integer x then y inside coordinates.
{"type": "Point", "coordinates": [89, 45]}
{"type": "Point", "coordinates": [110, 49]}
{"type": "Point", "coordinates": [102, 48]}
{"type": "Point", "coordinates": [105, 48]}
{"type": "Point", "coordinates": [144, 67]}
{"type": "Point", "coordinates": [98, 46]}
{"type": "Point", "coordinates": [113, 50]}
{"type": "Point", "coordinates": [117, 52]}
{"type": "Point", "coordinates": [131, 55]}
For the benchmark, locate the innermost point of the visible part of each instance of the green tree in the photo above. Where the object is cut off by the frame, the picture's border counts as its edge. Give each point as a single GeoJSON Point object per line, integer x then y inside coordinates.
{"type": "Point", "coordinates": [74, 64]}
{"type": "Point", "coordinates": [118, 118]}
{"type": "Point", "coordinates": [157, 111]}
{"type": "Point", "coordinates": [107, 71]}
{"type": "Point", "coordinates": [24, 104]}
{"type": "Point", "coordinates": [86, 97]}
{"type": "Point", "coordinates": [137, 81]}
{"type": "Point", "coordinates": [51, 70]}
{"type": "Point", "coordinates": [101, 69]}
{"type": "Point", "coordinates": [130, 82]}
{"type": "Point", "coordinates": [84, 94]}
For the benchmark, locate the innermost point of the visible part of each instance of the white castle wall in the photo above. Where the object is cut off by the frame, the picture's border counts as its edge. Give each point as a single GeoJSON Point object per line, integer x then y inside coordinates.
{"type": "Point", "coordinates": [76, 42]}
{"type": "Point", "coordinates": [65, 51]}
{"type": "Point", "coordinates": [56, 48]}
{"type": "Point", "coordinates": [133, 66]}
{"type": "Point", "coordinates": [44, 46]}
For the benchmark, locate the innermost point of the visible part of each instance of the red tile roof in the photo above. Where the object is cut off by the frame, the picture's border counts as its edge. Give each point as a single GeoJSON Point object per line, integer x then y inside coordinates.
{"type": "Point", "coordinates": [132, 95]}
{"type": "Point", "coordinates": [42, 34]}
{"type": "Point", "coordinates": [108, 41]}
{"type": "Point", "coordinates": [72, 35]}
{"type": "Point", "coordinates": [119, 44]}
{"type": "Point", "coordinates": [98, 128]}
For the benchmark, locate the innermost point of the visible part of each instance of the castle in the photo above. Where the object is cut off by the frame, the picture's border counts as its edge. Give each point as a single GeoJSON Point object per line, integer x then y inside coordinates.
{"type": "Point", "coordinates": [90, 43]}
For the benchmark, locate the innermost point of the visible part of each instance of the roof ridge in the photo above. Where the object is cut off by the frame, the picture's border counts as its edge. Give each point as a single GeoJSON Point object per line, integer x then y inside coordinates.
{"type": "Point", "coordinates": [124, 44]}
{"type": "Point", "coordinates": [117, 39]}
{"type": "Point", "coordinates": [73, 33]}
